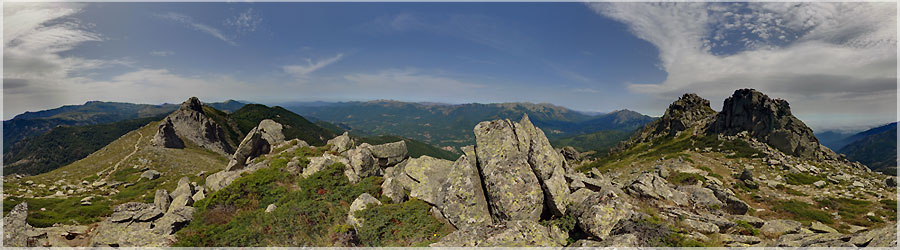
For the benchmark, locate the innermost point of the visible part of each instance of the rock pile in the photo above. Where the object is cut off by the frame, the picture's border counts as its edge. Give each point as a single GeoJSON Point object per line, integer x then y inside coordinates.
{"type": "Point", "coordinates": [148, 224]}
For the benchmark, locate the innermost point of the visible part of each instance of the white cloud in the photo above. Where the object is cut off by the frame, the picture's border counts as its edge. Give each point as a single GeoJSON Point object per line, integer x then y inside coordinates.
{"type": "Point", "coordinates": [188, 21]}
{"type": "Point", "coordinates": [835, 58]}
{"type": "Point", "coordinates": [301, 71]}
{"type": "Point", "coordinates": [162, 53]}
{"type": "Point", "coordinates": [245, 22]}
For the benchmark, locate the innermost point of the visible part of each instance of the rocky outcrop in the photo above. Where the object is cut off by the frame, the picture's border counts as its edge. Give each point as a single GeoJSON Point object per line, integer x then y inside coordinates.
{"type": "Point", "coordinates": [464, 202]}
{"type": "Point", "coordinates": [192, 124]}
{"type": "Point", "coordinates": [690, 110]}
{"type": "Point", "coordinates": [166, 136]}
{"type": "Point", "coordinates": [16, 232]}
{"type": "Point", "coordinates": [389, 154]}
{"type": "Point", "coordinates": [512, 188]}
{"type": "Point", "coordinates": [362, 163]}
{"type": "Point", "coordinates": [136, 224]}
{"type": "Point", "coordinates": [770, 121]}
{"type": "Point", "coordinates": [341, 143]}
{"type": "Point", "coordinates": [259, 141]}
{"type": "Point", "coordinates": [546, 163]}
{"type": "Point", "coordinates": [517, 233]}
{"type": "Point", "coordinates": [427, 175]}
{"type": "Point", "coordinates": [653, 186]}
{"type": "Point", "coordinates": [597, 214]}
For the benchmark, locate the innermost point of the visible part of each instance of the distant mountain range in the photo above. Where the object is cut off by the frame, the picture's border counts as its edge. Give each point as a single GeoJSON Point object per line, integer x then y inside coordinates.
{"type": "Point", "coordinates": [31, 124]}
{"type": "Point", "coordinates": [450, 125]}
{"type": "Point", "coordinates": [876, 148]}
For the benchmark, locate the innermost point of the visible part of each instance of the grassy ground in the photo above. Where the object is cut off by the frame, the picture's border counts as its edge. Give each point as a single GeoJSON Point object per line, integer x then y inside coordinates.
{"type": "Point", "coordinates": [173, 163]}
{"type": "Point", "coordinates": [310, 211]}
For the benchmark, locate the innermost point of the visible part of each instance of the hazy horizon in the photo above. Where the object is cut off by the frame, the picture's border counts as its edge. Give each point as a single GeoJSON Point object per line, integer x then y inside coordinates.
{"type": "Point", "coordinates": [835, 63]}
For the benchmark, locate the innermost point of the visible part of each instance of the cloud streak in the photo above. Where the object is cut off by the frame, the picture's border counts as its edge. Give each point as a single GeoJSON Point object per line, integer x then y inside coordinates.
{"type": "Point", "coordinates": [189, 22]}
{"type": "Point", "coordinates": [302, 71]}
{"type": "Point", "coordinates": [824, 58]}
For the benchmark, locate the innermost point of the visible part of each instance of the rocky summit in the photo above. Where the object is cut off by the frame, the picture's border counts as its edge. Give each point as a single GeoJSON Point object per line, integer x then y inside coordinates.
{"type": "Point", "coordinates": [191, 123]}
{"type": "Point", "coordinates": [751, 175]}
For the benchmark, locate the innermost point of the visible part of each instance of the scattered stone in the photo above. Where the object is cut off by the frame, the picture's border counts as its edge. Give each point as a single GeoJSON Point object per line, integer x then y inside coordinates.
{"type": "Point", "coordinates": [150, 174]}
{"type": "Point", "coordinates": [780, 227]}
{"type": "Point", "coordinates": [389, 154]}
{"type": "Point", "coordinates": [270, 208]}
{"type": "Point", "coordinates": [517, 233]}
{"type": "Point", "coordinates": [818, 227]}
{"type": "Point", "coordinates": [463, 201]}
{"type": "Point", "coordinates": [652, 186]}
{"type": "Point", "coordinates": [597, 214]}
{"type": "Point", "coordinates": [162, 200]}
{"type": "Point", "coordinates": [819, 184]}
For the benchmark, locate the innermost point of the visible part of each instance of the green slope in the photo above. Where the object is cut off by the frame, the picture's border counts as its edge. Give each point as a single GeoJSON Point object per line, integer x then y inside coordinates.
{"type": "Point", "coordinates": [295, 126]}
{"type": "Point", "coordinates": [600, 141]}
{"type": "Point", "coordinates": [64, 145]}
{"type": "Point", "coordinates": [876, 150]}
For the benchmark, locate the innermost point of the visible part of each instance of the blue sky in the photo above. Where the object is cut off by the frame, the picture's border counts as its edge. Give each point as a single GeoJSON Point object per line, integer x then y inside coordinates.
{"type": "Point", "coordinates": [835, 63]}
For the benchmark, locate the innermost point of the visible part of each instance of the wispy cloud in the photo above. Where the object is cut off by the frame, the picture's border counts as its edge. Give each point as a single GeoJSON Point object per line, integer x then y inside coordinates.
{"type": "Point", "coordinates": [825, 58]}
{"type": "Point", "coordinates": [410, 82]}
{"type": "Point", "coordinates": [301, 71]}
{"type": "Point", "coordinates": [189, 22]}
{"type": "Point", "coordinates": [245, 22]}
{"type": "Point", "coordinates": [162, 53]}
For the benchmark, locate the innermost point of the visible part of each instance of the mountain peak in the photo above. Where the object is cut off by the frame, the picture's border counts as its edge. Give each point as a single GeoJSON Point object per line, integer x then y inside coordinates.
{"type": "Point", "coordinates": [192, 103]}
{"type": "Point", "coordinates": [767, 120]}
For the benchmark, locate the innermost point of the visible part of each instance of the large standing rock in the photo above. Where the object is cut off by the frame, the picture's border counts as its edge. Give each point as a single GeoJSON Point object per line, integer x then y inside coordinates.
{"type": "Point", "coordinates": [361, 202]}
{"type": "Point", "coordinates": [162, 200]}
{"type": "Point", "coordinates": [390, 154]}
{"type": "Point", "coordinates": [259, 141]}
{"type": "Point", "coordinates": [519, 233]}
{"type": "Point", "coordinates": [768, 120]}
{"type": "Point", "coordinates": [192, 124]}
{"type": "Point", "coordinates": [15, 229]}
{"type": "Point", "coordinates": [464, 203]}
{"type": "Point", "coordinates": [546, 163]}
{"type": "Point", "coordinates": [428, 175]}
{"type": "Point", "coordinates": [513, 190]}
{"type": "Point", "coordinates": [166, 136]}
{"type": "Point", "coordinates": [597, 214]}
{"type": "Point", "coordinates": [362, 163]}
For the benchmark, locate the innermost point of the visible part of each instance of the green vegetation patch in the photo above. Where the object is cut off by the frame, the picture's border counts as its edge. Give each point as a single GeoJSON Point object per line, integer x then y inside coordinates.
{"type": "Point", "coordinates": [405, 224]}
{"type": "Point", "coordinates": [682, 178]}
{"type": "Point", "coordinates": [672, 147]}
{"type": "Point", "coordinates": [64, 211]}
{"type": "Point", "coordinates": [801, 178]}
{"type": "Point", "coordinates": [803, 211]}
{"type": "Point", "coordinates": [854, 211]}
{"type": "Point", "coordinates": [310, 211]}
